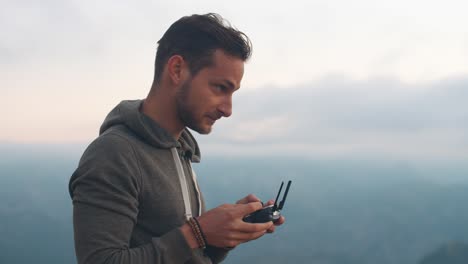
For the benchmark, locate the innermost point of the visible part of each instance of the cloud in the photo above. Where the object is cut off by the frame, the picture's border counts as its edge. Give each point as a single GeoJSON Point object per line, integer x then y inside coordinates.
{"type": "Point", "coordinates": [343, 117]}
{"type": "Point", "coordinates": [64, 64]}
{"type": "Point", "coordinates": [266, 128]}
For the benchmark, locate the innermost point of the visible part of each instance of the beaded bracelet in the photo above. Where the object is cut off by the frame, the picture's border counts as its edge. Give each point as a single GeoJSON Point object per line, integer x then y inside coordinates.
{"type": "Point", "coordinates": [201, 231]}
{"type": "Point", "coordinates": [196, 233]}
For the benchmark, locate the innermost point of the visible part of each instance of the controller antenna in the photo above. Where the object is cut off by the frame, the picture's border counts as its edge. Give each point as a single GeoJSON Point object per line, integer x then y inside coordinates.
{"type": "Point", "coordinates": [275, 206]}
{"type": "Point", "coordinates": [281, 204]}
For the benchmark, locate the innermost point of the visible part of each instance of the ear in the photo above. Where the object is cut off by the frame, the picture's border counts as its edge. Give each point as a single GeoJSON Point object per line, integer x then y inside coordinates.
{"type": "Point", "coordinates": [177, 69]}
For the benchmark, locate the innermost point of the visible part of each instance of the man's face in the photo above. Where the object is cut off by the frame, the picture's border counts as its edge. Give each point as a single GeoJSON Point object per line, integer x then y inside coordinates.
{"type": "Point", "coordinates": [207, 96]}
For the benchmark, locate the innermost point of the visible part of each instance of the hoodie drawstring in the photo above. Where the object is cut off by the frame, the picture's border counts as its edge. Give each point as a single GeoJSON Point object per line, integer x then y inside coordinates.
{"type": "Point", "coordinates": [183, 185]}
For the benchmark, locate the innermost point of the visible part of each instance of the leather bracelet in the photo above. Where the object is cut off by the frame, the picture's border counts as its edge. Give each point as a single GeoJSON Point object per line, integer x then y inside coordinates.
{"type": "Point", "coordinates": [197, 232]}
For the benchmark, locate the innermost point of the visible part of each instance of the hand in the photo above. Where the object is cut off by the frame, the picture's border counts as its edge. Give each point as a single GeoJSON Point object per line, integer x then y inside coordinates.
{"type": "Point", "coordinates": [223, 226]}
{"type": "Point", "coordinates": [252, 198]}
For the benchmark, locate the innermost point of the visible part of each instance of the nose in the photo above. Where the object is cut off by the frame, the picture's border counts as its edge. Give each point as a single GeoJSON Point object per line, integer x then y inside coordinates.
{"type": "Point", "coordinates": [226, 107]}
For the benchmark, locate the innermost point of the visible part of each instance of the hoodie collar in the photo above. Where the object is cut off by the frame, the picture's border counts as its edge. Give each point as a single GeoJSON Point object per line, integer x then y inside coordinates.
{"type": "Point", "coordinates": [127, 113]}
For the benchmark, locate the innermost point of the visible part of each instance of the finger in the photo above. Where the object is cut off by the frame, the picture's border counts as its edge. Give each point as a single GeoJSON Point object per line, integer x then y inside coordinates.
{"type": "Point", "coordinates": [248, 199]}
{"type": "Point", "coordinates": [253, 227]}
{"type": "Point", "coordinates": [257, 235]}
{"type": "Point", "coordinates": [271, 229]}
{"type": "Point", "coordinates": [280, 221]}
{"type": "Point", "coordinates": [239, 237]}
{"type": "Point", "coordinates": [270, 202]}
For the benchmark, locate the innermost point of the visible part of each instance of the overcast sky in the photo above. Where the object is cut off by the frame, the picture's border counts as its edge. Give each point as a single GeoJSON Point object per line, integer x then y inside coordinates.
{"type": "Point", "coordinates": [327, 78]}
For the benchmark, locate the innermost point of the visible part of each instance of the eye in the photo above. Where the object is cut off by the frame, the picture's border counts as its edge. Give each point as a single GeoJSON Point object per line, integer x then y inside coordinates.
{"type": "Point", "coordinates": [221, 88]}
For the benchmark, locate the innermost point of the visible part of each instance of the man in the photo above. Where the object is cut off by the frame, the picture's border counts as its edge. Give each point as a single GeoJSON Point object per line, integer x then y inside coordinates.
{"type": "Point", "coordinates": [135, 195]}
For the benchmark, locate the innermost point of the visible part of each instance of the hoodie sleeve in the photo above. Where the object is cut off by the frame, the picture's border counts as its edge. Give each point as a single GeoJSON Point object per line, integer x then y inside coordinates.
{"type": "Point", "coordinates": [105, 190]}
{"type": "Point", "coordinates": [216, 254]}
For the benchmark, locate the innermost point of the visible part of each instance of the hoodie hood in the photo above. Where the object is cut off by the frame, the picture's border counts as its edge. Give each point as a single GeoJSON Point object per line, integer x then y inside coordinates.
{"type": "Point", "coordinates": [127, 113]}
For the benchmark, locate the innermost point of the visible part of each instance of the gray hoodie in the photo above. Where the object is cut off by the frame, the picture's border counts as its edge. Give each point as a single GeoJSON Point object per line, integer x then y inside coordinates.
{"type": "Point", "coordinates": [127, 197]}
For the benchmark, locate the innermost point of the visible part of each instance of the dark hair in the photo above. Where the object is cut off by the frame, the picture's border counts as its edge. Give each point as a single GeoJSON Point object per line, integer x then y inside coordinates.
{"type": "Point", "coordinates": [196, 37]}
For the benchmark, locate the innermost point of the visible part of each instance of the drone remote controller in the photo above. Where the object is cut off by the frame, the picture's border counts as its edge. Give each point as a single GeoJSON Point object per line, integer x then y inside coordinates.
{"type": "Point", "coordinates": [270, 212]}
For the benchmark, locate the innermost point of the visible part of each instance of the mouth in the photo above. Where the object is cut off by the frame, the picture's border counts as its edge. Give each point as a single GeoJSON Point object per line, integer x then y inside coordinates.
{"type": "Point", "coordinates": [213, 118]}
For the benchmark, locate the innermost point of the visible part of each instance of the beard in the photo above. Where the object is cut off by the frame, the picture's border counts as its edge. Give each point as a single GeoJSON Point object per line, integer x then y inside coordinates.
{"type": "Point", "coordinates": [185, 112]}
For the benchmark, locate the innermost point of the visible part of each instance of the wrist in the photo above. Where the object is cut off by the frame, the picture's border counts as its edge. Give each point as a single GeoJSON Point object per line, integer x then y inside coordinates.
{"type": "Point", "coordinates": [194, 234]}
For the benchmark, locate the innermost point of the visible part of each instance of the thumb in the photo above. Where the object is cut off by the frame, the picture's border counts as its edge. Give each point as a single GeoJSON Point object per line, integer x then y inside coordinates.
{"type": "Point", "coordinates": [246, 209]}
{"type": "Point", "coordinates": [248, 199]}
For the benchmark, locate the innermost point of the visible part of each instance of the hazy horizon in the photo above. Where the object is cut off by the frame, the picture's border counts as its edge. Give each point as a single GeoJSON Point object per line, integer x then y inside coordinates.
{"type": "Point", "coordinates": [338, 212]}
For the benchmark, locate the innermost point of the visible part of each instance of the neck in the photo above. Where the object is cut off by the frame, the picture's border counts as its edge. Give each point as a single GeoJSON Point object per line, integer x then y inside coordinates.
{"type": "Point", "coordinates": [162, 109]}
